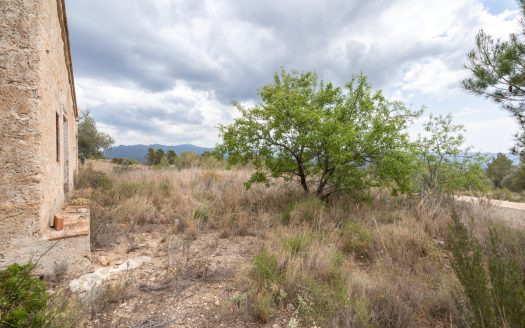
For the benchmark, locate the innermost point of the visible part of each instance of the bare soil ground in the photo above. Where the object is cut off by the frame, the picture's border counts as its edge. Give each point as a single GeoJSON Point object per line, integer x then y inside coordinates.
{"type": "Point", "coordinates": [188, 283]}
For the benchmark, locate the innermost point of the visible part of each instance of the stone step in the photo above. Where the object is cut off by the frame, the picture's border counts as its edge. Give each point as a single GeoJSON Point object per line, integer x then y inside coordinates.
{"type": "Point", "coordinates": [73, 221]}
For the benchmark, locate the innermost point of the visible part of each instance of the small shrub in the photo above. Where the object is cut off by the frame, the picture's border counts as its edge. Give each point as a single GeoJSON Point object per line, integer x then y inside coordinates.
{"type": "Point", "coordinates": [165, 188]}
{"type": "Point", "coordinates": [190, 230]}
{"type": "Point", "coordinates": [358, 240]}
{"type": "Point", "coordinates": [507, 282]}
{"type": "Point", "coordinates": [266, 268]}
{"type": "Point", "coordinates": [60, 270]}
{"type": "Point", "coordinates": [388, 310]}
{"type": "Point", "coordinates": [118, 169]}
{"type": "Point", "coordinates": [296, 244]}
{"type": "Point", "coordinates": [502, 194]}
{"type": "Point", "coordinates": [109, 295]}
{"type": "Point", "coordinates": [201, 214]}
{"type": "Point", "coordinates": [124, 161]}
{"type": "Point", "coordinates": [127, 189]}
{"type": "Point", "coordinates": [23, 298]}
{"type": "Point", "coordinates": [237, 300]}
{"type": "Point", "coordinates": [409, 245]}
{"type": "Point", "coordinates": [104, 231]}
{"type": "Point", "coordinates": [468, 265]}
{"type": "Point", "coordinates": [262, 306]}
{"type": "Point", "coordinates": [308, 210]}
{"type": "Point", "coordinates": [90, 178]}
{"type": "Point", "coordinates": [287, 214]}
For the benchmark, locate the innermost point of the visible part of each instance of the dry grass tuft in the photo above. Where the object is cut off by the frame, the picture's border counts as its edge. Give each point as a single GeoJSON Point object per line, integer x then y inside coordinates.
{"type": "Point", "coordinates": [332, 264]}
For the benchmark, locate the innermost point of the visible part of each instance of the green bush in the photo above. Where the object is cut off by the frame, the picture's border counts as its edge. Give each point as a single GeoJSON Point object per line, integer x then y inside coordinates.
{"type": "Point", "coordinates": [468, 264]}
{"type": "Point", "coordinates": [267, 274]}
{"type": "Point", "coordinates": [91, 178]}
{"type": "Point", "coordinates": [308, 210]}
{"type": "Point", "coordinates": [287, 214]}
{"type": "Point", "coordinates": [496, 296]}
{"type": "Point", "coordinates": [201, 214]}
{"type": "Point", "coordinates": [296, 244]}
{"type": "Point", "coordinates": [124, 161]}
{"type": "Point", "coordinates": [128, 189]}
{"type": "Point", "coordinates": [507, 281]}
{"type": "Point", "coordinates": [23, 298]}
{"type": "Point", "coordinates": [357, 240]}
{"type": "Point", "coordinates": [266, 268]}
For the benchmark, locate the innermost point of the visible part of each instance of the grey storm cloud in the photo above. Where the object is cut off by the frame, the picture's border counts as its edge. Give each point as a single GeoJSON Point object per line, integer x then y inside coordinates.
{"type": "Point", "coordinates": [133, 40]}
{"type": "Point", "coordinates": [146, 118]}
{"type": "Point", "coordinates": [228, 49]}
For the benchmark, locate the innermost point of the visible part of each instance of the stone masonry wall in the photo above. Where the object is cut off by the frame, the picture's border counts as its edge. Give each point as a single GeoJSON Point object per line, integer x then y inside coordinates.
{"type": "Point", "coordinates": [20, 132]}
{"type": "Point", "coordinates": [35, 95]}
{"type": "Point", "coordinates": [56, 99]}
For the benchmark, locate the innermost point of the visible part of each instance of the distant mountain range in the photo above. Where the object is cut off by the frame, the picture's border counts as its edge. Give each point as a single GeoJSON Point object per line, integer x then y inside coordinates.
{"type": "Point", "coordinates": [138, 152]}
{"type": "Point", "coordinates": [514, 158]}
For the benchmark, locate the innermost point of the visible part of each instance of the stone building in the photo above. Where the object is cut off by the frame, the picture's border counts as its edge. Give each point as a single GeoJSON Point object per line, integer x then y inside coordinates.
{"type": "Point", "coordinates": [38, 138]}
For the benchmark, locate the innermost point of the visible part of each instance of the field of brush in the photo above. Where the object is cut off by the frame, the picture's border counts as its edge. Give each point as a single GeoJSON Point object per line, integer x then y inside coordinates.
{"type": "Point", "coordinates": [268, 256]}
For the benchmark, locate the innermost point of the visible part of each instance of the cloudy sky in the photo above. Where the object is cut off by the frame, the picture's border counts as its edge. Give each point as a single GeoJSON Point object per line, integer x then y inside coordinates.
{"type": "Point", "coordinates": [166, 71]}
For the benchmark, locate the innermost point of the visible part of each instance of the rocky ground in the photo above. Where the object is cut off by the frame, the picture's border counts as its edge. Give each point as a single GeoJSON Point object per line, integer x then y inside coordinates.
{"type": "Point", "coordinates": [186, 283]}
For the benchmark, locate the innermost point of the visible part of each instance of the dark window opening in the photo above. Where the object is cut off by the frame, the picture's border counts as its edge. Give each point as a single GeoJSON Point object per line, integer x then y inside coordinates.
{"type": "Point", "coordinates": [57, 132]}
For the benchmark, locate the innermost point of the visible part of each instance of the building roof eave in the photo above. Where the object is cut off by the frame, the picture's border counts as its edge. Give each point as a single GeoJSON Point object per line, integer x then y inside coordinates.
{"type": "Point", "coordinates": [62, 18]}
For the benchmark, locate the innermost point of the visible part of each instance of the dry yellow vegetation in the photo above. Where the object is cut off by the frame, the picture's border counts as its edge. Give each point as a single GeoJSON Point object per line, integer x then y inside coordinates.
{"type": "Point", "coordinates": [287, 260]}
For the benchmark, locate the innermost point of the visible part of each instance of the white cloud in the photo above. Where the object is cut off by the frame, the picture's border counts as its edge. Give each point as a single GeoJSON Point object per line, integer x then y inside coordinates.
{"type": "Point", "coordinates": [133, 115]}
{"type": "Point", "coordinates": [432, 76]}
{"type": "Point", "coordinates": [164, 71]}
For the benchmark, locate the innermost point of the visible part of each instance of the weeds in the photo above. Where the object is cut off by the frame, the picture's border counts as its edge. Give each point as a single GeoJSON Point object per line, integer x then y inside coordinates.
{"type": "Point", "coordinates": [357, 240]}
{"type": "Point", "coordinates": [25, 302]}
{"type": "Point", "coordinates": [496, 295]}
{"type": "Point", "coordinates": [333, 264]}
{"type": "Point", "coordinates": [23, 298]}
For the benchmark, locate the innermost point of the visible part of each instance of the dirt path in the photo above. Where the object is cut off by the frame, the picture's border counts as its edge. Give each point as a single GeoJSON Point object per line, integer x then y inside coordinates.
{"type": "Point", "coordinates": [494, 202]}
{"type": "Point", "coordinates": [499, 211]}
{"type": "Point", "coordinates": [188, 283]}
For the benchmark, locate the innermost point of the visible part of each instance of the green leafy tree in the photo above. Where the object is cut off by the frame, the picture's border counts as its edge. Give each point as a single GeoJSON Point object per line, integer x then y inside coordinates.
{"type": "Point", "coordinates": [498, 73]}
{"type": "Point", "coordinates": [499, 168]}
{"type": "Point", "coordinates": [91, 142]}
{"type": "Point", "coordinates": [516, 180]}
{"type": "Point", "coordinates": [150, 156]}
{"type": "Point", "coordinates": [171, 156]}
{"type": "Point", "coordinates": [446, 164]}
{"type": "Point", "coordinates": [215, 153]}
{"type": "Point", "coordinates": [164, 162]}
{"type": "Point", "coordinates": [327, 138]}
{"type": "Point", "coordinates": [159, 153]}
{"type": "Point", "coordinates": [473, 175]}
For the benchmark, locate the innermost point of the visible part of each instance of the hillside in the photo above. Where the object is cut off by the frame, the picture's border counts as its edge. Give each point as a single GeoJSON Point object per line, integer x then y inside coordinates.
{"type": "Point", "coordinates": [138, 152]}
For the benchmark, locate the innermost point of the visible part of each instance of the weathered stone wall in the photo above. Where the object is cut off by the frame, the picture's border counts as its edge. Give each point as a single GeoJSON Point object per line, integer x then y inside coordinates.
{"type": "Point", "coordinates": [36, 94]}
{"type": "Point", "coordinates": [56, 99]}
{"type": "Point", "coordinates": [20, 125]}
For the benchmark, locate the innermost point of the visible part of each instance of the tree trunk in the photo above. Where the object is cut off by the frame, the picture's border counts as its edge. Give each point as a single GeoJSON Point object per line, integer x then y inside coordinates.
{"type": "Point", "coordinates": [302, 177]}
{"type": "Point", "coordinates": [303, 182]}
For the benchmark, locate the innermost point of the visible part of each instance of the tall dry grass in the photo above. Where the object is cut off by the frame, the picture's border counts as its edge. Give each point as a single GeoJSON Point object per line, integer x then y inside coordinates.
{"type": "Point", "coordinates": [335, 264]}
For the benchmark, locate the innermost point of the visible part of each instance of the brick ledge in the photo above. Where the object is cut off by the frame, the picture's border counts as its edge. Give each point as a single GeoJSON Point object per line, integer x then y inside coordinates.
{"type": "Point", "coordinates": [76, 224]}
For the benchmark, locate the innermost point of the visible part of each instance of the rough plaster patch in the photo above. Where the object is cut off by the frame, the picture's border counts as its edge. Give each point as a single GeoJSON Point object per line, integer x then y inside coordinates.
{"type": "Point", "coordinates": [89, 281]}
